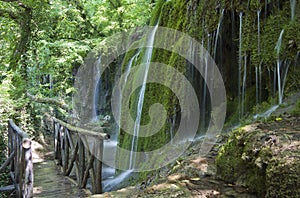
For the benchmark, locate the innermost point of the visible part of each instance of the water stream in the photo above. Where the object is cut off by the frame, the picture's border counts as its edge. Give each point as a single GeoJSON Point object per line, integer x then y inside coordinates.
{"type": "Point", "coordinates": [293, 6]}
{"type": "Point", "coordinates": [148, 55]}
{"type": "Point", "coordinates": [110, 184]}
{"type": "Point", "coordinates": [240, 64]}
{"type": "Point", "coordinates": [218, 34]}
{"type": "Point", "coordinates": [258, 71]}
{"type": "Point", "coordinates": [278, 47]}
{"type": "Point", "coordinates": [96, 81]}
{"type": "Point", "coordinates": [244, 85]}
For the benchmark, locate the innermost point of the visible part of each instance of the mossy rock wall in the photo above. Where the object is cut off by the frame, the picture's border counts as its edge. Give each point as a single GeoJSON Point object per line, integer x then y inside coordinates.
{"type": "Point", "coordinates": [265, 161]}
{"type": "Point", "coordinates": [200, 19]}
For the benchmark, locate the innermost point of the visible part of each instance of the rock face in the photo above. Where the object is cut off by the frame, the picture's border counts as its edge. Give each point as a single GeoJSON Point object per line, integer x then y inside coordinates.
{"type": "Point", "coordinates": [241, 36]}
{"type": "Point", "coordinates": [265, 157]}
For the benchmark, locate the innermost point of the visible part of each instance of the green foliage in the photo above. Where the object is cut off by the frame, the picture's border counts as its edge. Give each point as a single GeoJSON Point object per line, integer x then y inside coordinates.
{"type": "Point", "coordinates": [6, 111]}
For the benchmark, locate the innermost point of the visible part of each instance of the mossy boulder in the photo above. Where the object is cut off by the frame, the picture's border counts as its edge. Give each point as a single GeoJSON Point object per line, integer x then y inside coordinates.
{"type": "Point", "coordinates": [263, 157]}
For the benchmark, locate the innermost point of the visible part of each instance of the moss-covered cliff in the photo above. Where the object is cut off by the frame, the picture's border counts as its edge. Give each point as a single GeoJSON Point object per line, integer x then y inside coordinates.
{"type": "Point", "coordinates": [250, 78]}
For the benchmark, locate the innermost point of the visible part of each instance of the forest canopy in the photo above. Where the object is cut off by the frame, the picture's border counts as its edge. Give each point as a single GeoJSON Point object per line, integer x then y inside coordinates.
{"type": "Point", "coordinates": [44, 42]}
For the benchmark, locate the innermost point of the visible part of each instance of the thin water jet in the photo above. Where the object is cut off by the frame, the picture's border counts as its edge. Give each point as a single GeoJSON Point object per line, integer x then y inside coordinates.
{"type": "Point", "coordinates": [278, 47]}
{"type": "Point", "coordinates": [148, 56]}
{"type": "Point", "coordinates": [240, 63]}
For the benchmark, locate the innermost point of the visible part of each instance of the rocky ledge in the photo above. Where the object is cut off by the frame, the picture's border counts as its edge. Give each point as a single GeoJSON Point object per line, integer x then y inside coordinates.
{"type": "Point", "coordinates": [264, 157]}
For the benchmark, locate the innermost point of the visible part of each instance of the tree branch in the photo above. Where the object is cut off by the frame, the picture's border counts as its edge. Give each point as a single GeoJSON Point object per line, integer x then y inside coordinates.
{"type": "Point", "coordinates": [51, 101]}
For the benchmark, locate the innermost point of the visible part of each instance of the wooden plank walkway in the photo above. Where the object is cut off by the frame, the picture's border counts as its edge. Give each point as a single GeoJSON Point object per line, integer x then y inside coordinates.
{"type": "Point", "coordinates": [48, 178]}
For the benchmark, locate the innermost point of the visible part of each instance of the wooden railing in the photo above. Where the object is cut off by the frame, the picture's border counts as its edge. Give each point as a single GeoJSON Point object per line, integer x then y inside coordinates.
{"type": "Point", "coordinates": [20, 160]}
{"type": "Point", "coordinates": [79, 152]}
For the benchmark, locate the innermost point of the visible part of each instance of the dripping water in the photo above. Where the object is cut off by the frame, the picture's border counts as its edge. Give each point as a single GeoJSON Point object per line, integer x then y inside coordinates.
{"type": "Point", "coordinates": [278, 47]}
{"type": "Point", "coordinates": [244, 85]}
{"type": "Point", "coordinates": [110, 181]}
{"type": "Point", "coordinates": [96, 81]}
{"type": "Point", "coordinates": [148, 55]}
{"type": "Point", "coordinates": [240, 63]}
{"type": "Point", "coordinates": [217, 34]}
{"type": "Point", "coordinates": [293, 6]}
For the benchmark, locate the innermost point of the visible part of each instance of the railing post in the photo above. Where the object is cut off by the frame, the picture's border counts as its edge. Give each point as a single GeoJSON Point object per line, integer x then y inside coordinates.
{"type": "Point", "coordinates": [87, 163]}
{"type": "Point", "coordinates": [11, 146]}
{"type": "Point", "coordinates": [27, 186]}
{"type": "Point", "coordinates": [19, 148]}
{"type": "Point", "coordinates": [81, 152]}
{"type": "Point", "coordinates": [66, 145]}
{"type": "Point", "coordinates": [99, 155]}
{"type": "Point", "coordinates": [18, 167]}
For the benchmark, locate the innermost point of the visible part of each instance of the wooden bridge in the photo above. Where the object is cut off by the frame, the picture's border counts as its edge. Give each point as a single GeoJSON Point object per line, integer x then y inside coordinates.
{"type": "Point", "coordinates": [73, 169]}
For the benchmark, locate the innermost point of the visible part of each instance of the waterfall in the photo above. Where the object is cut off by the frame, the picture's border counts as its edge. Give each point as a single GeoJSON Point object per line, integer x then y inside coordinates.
{"type": "Point", "coordinates": [51, 82]}
{"type": "Point", "coordinates": [258, 68]}
{"type": "Point", "coordinates": [110, 184]}
{"type": "Point", "coordinates": [260, 80]}
{"type": "Point", "coordinates": [217, 34]}
{"type": "Point", "coordinates": [293, 6]}
{"type": "Point", "coordinates": [244, 86]}
{"type": "Point", "coordinates": [172, 125]}
{"type": "Point", "coordinates": [204, 83]}
{"type": "Point", "coordinates": [256, 85]}
{"type": "Point", "coordinates": [278, 47]}
{"type": "Point", "coordinates": [96, 80]}
{"type": "Point", "coordinates": [110, 181]}
{"type": "Point", "coordinates": [129, 65]}
{"type": "Point", "coordinates": [258, 50]}
{"type": "Point", "coordinates": [240, 63]}
{"type": "Point", "coordinates": [148, 55]}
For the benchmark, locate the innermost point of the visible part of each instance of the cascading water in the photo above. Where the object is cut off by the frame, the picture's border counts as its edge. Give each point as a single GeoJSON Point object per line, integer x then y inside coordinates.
{"type": "Point", "coordinates": [293, 6]}
{"type": "Point", "coordinates": [218, 33]}
{"type": "Point", "coordinates": [109, 179]}
{"type": "Point", "coordinates": [244, 86]}
{"type": "Point", "coordinates": [203, 106]}
{"type": "Point", "coordinates": [96, 80]}
{"type": "Point", "coordinates": [172, 125]}
{"type": "Point", "coordinates": [258, 74]}
{"type": "Point", "coordinates": [240, 63]}
{"type": "Point", "coordinates": [129, 65]}
{"type": "Point", "coordinates": [148, 55]}
{"type": "Point", "coordinates": [278, 47]}
{"type": "Point", "coordinates": [109, 184]}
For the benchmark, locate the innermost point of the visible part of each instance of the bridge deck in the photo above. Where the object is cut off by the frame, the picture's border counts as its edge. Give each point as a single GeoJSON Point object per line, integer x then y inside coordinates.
{"type": "Point", "coordinates": [48, 178]}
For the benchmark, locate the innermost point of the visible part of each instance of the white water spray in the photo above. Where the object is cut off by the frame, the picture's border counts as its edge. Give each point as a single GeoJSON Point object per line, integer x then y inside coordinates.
{"type": "Point", "coordinates": [109, 184]}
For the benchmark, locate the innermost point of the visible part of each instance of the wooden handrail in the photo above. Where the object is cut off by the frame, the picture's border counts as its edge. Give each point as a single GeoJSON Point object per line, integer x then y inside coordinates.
{"type": "Point", "coordinates": [99, 134]}
{"type": "Point", "coordinates": [79, 152]}
{"type": "Point", "coordinates": [20, 160]}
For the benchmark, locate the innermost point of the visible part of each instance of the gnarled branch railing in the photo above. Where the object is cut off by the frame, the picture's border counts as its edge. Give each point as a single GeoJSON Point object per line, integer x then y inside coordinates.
{"type": "Point", "coordinates": [20, 160]}
{"type": "Point", "coordinates": [79, 152]}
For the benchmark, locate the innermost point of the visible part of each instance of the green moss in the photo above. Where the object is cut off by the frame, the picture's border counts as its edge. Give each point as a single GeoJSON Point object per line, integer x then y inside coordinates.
{"type": "Point", "coordinates": [283, 176]}
{"type": "Point", "coordinates": [237, 161]}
